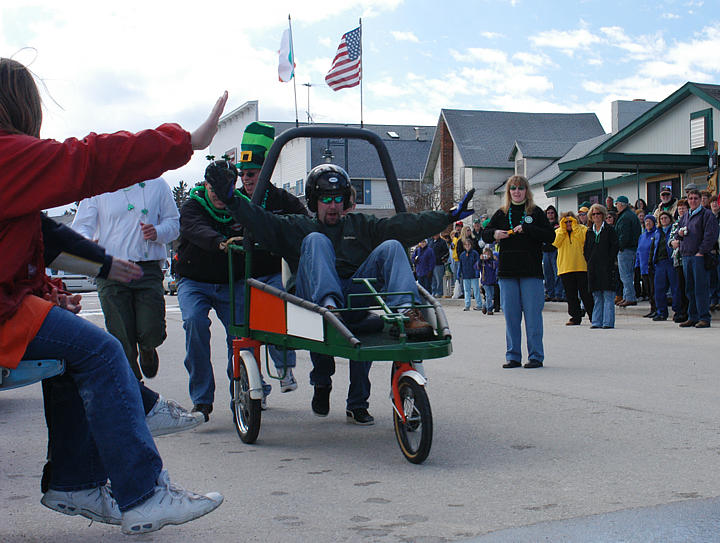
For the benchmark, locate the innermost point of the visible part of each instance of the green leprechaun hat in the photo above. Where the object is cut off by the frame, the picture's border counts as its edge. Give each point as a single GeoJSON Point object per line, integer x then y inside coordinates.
{"type": "Point", "coordinates": [256, 142]}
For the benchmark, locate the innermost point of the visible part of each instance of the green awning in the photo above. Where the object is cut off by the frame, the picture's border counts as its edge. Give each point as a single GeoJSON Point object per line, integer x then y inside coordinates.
{"type": "Point", "coordinates": [630, 162]}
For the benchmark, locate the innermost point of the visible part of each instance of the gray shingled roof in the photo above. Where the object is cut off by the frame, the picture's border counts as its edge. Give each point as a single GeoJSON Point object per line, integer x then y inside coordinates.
{"type": "Point", "coordinates": [579, 150]}
{"type": "Point", "coordinates": [541, 148]}
{"type": "Point", "coordinates": [484, 138]}
{"type": "Point", "coordinates": [711, 90]}
{"type": "Point", "coordinates": [407, 153]}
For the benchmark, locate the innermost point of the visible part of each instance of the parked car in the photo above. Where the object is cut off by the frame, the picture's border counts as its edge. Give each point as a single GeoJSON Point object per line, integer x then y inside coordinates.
{"type": "Point", "coordinates": [76, 282]}
{"type": "Point", "coordinates": [169, 283]}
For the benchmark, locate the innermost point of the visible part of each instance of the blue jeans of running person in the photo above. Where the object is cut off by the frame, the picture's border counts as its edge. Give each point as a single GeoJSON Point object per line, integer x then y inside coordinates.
{"type": "Point", "coordinates": [626, 267]}
{"type": "Point", "coordinates": [603, 314]}
{"type": "Point", "coordinates": [359, 389]}
{"type": "Point", "coordinates": [666, 276]}
{"type": "Point", "coordinates": [549, 262]}
{"type": "Point", "coordinates": [489, 297]}
{"type": "Point", "coordinates": [697, 288]}
{"type": "Point", "coordinates": [472, 286]}
{"type": "Point", "coordinates": [317, 281]}
{"type": "Point", "coordinates": [523, 297]}
{"type": "Point", "coordinates": [99, 428]}
{"type": "Point", "coordinates": [196, 299]}
{"type": "Point", "coordinates": [437, 280]}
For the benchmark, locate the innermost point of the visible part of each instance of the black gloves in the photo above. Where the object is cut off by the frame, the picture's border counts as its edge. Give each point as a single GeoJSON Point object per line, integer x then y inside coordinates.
{"type": "Point", "coordinates": [460, 211]}
{"type": "Point", "coordinates": [222, 176]}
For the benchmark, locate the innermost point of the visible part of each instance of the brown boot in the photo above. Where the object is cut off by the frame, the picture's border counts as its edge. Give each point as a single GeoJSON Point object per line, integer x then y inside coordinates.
{"type": "Point", "coordinates": [618, 299]}
{"type": "Point", "coordinates": [417, 327]}
{"type": "Point", "coordinates": [688, 324]}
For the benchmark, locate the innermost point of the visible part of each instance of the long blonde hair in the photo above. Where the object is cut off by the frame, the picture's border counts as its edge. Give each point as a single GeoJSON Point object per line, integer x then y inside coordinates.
{"type": "Point", "coordinates": [518, 180]}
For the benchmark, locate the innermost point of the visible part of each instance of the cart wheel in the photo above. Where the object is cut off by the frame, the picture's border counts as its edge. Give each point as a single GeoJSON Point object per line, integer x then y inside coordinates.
{"type": "Point", "coordinates": [415, 435]}
{"type": "Point", "coordinates": [246, 411]}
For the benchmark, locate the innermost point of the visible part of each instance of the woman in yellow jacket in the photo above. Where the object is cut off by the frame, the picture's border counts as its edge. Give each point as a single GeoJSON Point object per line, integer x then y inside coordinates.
{"type": "Point", "coordinates": [572, 266]}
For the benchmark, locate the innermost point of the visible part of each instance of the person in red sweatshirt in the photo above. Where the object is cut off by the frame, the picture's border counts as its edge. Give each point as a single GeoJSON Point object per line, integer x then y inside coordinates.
{"type": "Point", "coordinates": [38, 322]}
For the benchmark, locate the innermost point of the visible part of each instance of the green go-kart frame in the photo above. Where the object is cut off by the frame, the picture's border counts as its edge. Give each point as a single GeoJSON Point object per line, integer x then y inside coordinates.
{"type": "Point", "coordinates": [273, 316]}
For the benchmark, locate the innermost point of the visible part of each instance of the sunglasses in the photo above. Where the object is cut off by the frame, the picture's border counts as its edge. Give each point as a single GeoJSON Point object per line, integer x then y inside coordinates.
{"type": "Point", "coordinates": [331, 199]}
{"type": "Point", "coordinates": [597, 213]}
{"type": "Point", "coordinates": [516, 187]}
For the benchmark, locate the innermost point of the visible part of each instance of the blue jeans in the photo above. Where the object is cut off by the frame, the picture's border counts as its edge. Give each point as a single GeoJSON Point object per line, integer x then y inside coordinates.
{"type": "Point", "coordinates": [523, 296]}
{"type": "Point", "coordinates": [359, 389]}
{"type": "Point", "coordinates": [603, 313]}
{"type": "Point", "coordinates": [196, 298]}
{"type": "Point", "coordinates": [549, 262]}
{"type": "Point", "coordinates": [318, 280]}
{"type": "Point", "coordinates": [626, 266]}
{"type": "Point", "coordinates": [697, 288]}
{"type": "Point", "coordinates": [666, 276]}
{"type": "Point", "coordinates": [489, 297]}
{"type": "Point", "coordinates": [98, 428]}
{"type": "Point", "coordinates": [437, 280]}
{"type": "Point", "coordinates": [454, 266]}
{"type": "Point", "coordinates": [472, 286]}
{"type": "Point", "coordinates": [715, 284]}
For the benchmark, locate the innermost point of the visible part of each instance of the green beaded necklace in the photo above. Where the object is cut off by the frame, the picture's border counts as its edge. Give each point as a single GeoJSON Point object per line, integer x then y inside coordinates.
{"type": "Point", "coordinates": [130, 206]}
{"type": "Point", "coordinates": [522, 219]}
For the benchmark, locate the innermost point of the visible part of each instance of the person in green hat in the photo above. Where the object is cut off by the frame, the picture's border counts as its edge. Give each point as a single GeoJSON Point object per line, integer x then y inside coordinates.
{"type": "Point", "coordinates": [205, 227]}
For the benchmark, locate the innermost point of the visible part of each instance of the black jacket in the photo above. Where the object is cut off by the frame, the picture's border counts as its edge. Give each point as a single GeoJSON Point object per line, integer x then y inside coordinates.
{"type": "Point", "coordinates": [353, 238]}
{"type": "Point", "coordinates": [601, 255]}
{"type": "Point", "coordinates": [442, 253]}
{"type": "Point", "coordinates": [520, 254]}
{"type": "Point", "coordinates": [199, 255]}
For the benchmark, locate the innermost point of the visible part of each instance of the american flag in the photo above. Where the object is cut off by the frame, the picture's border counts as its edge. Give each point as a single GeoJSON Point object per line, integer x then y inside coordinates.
{"type": "Point", "coordinates": [346, 70]}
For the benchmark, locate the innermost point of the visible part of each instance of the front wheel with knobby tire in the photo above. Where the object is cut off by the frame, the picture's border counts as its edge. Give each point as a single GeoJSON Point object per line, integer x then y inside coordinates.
{"type": "Point", "coordinates": [415, 434]}
{"type": "Point", "coordinates": [246, 411]}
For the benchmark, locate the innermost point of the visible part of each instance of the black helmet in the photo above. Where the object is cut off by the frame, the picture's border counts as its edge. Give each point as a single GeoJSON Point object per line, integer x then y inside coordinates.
{"type": "Point", "coordinates": [326, 180]}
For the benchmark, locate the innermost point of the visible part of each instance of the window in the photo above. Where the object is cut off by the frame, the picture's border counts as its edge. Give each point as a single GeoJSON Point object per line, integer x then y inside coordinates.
{"type": "Point", "coordinates": [592, 196]}
{"type": "Point", "coordinates": [653, 190]}
{"type": "Point", "coordinates": [393, 135]}
{"type": "Point", "coordinates": [520, 167]}
{"type": "Point", "coordinates": [299, 188]}
{"type": "Point", "coordinates": [363, 191]}
{"type": "Point", "coordinates": [700, 130]}
{"type": "Point", "coordinates": [231, 154]}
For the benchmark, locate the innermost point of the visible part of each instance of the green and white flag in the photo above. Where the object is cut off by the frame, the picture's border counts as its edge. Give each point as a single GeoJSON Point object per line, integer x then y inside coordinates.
{"type": "Point", "coordinates": [286, 65]}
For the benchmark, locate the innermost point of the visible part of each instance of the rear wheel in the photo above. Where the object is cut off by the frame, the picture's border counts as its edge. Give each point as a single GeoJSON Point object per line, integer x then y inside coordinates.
{"type": "Point", "coordinates": [246, 411]}
{"type": "Point", "coordinates": [415, 434]}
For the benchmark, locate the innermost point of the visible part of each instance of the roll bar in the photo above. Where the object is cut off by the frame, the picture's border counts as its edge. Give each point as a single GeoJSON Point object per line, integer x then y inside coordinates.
{"type": "Point", "coordinates": [330, 132]}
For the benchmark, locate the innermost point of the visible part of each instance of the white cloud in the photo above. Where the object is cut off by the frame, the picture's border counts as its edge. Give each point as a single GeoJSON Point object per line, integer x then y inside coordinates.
{"type": "Point", "coordinates": [476, 54]}
{"type": "Point", "coordinates": [566, 41]}
{"type": "Point", "coordinates": [639, 48]}
{"type": "Point", "coordinates": [491, 35]}
{"type": "Point", "coordinates": [404, 36]}
{"type": "Point", "coordinates": [670, 16]}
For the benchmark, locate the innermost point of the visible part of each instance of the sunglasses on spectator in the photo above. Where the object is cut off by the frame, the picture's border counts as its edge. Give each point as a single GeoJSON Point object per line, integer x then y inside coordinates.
{"type": "Point", "coordinates": [516, 187]}
{"type": "Point", "coordinates": [331, 199]}
{"type": "Point", "coordinates": [596, 213]}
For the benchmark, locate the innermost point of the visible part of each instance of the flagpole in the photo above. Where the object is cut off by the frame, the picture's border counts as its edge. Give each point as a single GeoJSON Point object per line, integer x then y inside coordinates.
{"type": "Point", "coordinates": [292, 56]}
{"type": "Point", "coordinates": [361, 77]}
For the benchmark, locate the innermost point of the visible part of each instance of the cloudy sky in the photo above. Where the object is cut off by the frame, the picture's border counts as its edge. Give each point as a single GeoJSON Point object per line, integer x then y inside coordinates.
{"type": "Point", "coordinates": [110, 66]}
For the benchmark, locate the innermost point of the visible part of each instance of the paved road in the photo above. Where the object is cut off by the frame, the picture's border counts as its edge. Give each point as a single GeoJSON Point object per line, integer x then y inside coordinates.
{"type": "Point", "coordinates": [616, 439]}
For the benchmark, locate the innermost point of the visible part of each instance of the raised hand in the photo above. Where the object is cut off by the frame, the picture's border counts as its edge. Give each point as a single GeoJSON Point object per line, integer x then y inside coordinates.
{"type": "Point", "coordinates": [201, 137]}
{"type": "Point", "coordinates": [461, 210]}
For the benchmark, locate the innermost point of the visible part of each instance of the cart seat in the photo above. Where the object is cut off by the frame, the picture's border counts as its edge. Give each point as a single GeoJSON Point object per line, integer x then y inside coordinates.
{"type": "Point", "coordinates": [29, 372]}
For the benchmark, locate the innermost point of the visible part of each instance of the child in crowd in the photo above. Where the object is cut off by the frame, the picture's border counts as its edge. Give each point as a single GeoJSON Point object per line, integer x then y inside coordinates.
{"type": "Point", "coordinates": [469, 272]}
{"type": "Point", "coordinates": [488, 267]}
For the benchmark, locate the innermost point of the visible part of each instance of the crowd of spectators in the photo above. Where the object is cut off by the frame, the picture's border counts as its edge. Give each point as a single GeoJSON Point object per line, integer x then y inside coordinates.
{"type": "Point", "coordinates": [603, 256]}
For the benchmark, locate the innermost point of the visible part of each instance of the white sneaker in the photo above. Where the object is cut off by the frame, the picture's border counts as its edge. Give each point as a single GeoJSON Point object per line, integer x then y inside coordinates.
{"type": "Point", "coordinates": [96, 504]}
{"type": "Point", "coordinates": [168, 417]}
{"type": "Point", "coordinates": [263, 403]}
{"type": "Point", "coordinates": [288, 383]}
{"type": "Point", "coordinates": [170, 504]}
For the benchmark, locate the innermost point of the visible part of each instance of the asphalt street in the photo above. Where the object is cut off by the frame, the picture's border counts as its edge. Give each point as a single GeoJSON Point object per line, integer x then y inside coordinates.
{"type": "Point", "coordinates": [616, 439]}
